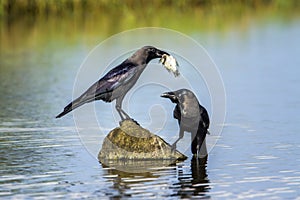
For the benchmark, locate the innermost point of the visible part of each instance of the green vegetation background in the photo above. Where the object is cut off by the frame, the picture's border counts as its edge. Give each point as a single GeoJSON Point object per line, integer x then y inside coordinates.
{"type": "Point", "coordinates": [40, 21]}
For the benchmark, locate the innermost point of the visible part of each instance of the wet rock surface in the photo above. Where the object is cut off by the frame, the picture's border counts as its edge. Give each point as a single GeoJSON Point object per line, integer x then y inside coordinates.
{"type": "Point", "coordinates": [132, 142]}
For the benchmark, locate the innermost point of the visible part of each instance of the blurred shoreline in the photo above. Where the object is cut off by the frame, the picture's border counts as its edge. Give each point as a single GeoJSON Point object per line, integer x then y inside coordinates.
{"type": "Point", "coordinates": [11, 10]}
{"type": "Point", "coordinates": [26, 23]}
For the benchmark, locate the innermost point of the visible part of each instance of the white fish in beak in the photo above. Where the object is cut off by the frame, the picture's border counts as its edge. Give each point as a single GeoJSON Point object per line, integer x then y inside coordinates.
{"type": "Point", "coordinates": [170, 63]}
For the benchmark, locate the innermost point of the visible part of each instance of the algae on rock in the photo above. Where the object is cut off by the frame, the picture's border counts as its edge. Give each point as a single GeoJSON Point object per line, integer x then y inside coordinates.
{"type": "Point", "coordinates": [132, 142]}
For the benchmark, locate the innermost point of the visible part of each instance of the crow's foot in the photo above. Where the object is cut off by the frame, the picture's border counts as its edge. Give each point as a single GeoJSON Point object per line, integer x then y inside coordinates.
{"type": "Point", "coordinates": [129, 119]}
{"type": "Point", "coordinates": [135, 122]}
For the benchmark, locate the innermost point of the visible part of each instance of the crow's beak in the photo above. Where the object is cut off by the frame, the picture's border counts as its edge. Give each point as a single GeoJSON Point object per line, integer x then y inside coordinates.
{"type": "Point", "coordinates": [159, 53]}
{"type": "Point", "coordinates": [170, 95]}
{"type": "Point", "coordinates": [167, 95]}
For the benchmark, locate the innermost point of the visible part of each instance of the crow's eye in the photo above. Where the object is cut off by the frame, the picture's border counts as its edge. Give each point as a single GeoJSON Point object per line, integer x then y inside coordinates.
{"type": "Point", "coordinates": [153, 50]}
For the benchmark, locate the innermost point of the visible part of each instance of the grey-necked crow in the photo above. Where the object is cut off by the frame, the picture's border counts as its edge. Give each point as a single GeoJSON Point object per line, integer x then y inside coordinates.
{"type": "Point", "coordinates": [117, 82]}
{"type": "Point", "coordinates": [191, 116]}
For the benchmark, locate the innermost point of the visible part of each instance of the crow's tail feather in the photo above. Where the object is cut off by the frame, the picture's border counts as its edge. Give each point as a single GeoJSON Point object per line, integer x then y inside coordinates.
{"type": "Point", "coordinates": [88, 96]}
{"type": "Point", "coordinates": [67, 109]}
{"type": "Point", "coordinates": [71, 106]}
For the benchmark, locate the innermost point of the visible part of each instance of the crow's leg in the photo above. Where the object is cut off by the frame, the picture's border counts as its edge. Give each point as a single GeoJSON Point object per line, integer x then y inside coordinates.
{"type": "Point", "coordinates": [124, 113]}
{"type": "Point", "coordinates": [195, 143]}
{"type": "Point", "coordinates": [121, 112]}
{"type": "Point", "coordinates": [173, 146]}
{"type": "Point", "coordinates": [199, 145]}
{"type": "Point", "coordinates": [203, 150]}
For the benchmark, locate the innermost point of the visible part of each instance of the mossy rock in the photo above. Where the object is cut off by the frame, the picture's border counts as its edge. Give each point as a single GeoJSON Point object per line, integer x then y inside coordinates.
{"type": "Point", "coordinates": [132, 142]}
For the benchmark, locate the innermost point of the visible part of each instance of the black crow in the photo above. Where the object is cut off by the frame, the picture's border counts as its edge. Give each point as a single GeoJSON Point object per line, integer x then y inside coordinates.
{"type": "Point", "coordinates": [191, 116]}
{"type": "Point", "coordinates": [117, 82]}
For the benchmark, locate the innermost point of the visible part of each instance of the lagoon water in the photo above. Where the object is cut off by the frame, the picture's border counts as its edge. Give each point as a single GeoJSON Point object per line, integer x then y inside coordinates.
{"type": "Point", "coordinates": [257, 154]}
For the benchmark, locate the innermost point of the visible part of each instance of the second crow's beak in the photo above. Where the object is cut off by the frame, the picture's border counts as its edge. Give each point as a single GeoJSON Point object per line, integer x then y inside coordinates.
{"type": "Point", "coordinates": [170, 95]}
{"type": "Point", "coordinates": [166, 95]}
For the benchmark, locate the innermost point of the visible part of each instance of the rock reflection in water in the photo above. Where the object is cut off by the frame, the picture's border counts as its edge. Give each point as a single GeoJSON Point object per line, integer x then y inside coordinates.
{"type": "Point", "coordinates": [191, 179]}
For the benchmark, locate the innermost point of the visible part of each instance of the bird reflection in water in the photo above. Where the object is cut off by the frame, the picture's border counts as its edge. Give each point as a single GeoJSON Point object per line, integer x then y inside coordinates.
{"type": "Point", "coordinates": [194, 182]}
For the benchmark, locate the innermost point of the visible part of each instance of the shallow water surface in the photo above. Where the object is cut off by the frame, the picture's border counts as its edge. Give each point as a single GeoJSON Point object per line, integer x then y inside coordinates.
{"type": "Point", "coordinates": [257, 155]}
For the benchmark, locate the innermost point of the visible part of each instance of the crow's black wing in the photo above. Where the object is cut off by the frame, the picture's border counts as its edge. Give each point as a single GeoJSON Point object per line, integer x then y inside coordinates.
{"type": "Point", "coordinates": [113, 79]}
{"type": "Point", "coordinates": [177, 113]}
{"type": "Point", "coordinates": [116, 77]}
{"type": "Point", "coordinates": [204, 117]}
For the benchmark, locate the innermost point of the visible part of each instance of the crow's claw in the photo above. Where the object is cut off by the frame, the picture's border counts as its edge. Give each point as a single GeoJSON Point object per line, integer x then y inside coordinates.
{"type": "Point", "coordinates": [135, 122]}
{"type": "Point", "coordinates": [129, 119]}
